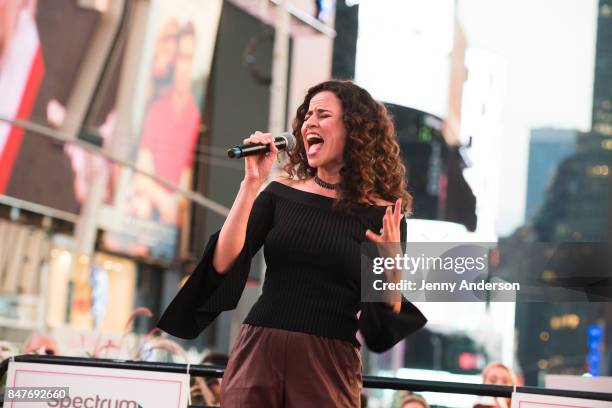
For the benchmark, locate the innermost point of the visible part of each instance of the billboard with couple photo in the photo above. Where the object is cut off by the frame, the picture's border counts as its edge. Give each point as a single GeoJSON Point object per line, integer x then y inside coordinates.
{"type": "Point", "coordinates": [178, 53]}
{"type": "Point", "coordinates": [43, 48]}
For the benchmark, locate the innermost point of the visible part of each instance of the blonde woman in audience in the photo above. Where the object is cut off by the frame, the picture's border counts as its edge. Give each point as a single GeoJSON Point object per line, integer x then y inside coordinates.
{"type": "Point", "coordinates": [496, 373]}
{"type": "Point", "coordinates": [414, 401]}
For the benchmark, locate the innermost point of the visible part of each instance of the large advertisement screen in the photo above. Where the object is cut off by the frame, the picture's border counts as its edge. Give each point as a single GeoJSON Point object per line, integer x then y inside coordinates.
{"type": "Point", "coordinates": [177, 58]}
{"type": "Point", "coordinates": [42, 46]}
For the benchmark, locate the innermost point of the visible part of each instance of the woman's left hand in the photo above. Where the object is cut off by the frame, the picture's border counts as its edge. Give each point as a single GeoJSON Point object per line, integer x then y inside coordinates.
{"type": "Point", "coordinates": [389, 236]}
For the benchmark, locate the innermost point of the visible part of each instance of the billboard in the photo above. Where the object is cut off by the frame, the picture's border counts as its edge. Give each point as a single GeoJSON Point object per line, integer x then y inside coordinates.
{"type": "Point", "coordinates": [178, 53]}
{"type": "Point", "coordinates": [21, 71]}
{"type": "Point", "coordinates": [43, 49]}
{"type": "Point", "coordinates": [42, 45]}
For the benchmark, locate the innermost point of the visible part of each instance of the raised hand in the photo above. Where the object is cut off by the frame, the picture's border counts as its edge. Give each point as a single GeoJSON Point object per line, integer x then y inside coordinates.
{"type": "Point", "coordinates": [390, 246]}
{"type": "Point", "coordinates": [257, 167]}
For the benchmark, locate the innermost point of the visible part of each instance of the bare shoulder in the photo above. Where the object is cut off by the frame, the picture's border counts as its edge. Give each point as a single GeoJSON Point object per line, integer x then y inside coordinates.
{"type": "Point", "coordinates": [288, 181]}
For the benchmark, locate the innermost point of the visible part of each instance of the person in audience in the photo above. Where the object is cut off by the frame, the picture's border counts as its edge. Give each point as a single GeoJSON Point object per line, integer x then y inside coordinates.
{"type": "Point", "coordinates": [496, 373]}
{"type": "Point", "coordinates": [207, 390]}
{"type": "Point", "coordinates": [40, 344]}
{"type": "Point", "coordinates": [414, 401]}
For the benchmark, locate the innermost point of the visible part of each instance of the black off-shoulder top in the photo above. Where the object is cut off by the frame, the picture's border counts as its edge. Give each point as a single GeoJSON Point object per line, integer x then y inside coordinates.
{"type": "Point", "coordinates": [312, 280]}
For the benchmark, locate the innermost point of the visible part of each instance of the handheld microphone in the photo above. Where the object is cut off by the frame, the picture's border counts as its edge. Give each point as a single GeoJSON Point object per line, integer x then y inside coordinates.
{"type": "Point", "coordinates": [284, 141]}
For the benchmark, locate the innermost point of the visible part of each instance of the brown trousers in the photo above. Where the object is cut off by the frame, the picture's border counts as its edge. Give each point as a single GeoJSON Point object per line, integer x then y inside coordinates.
{"type": "Point", "coordinates": [276, 368]}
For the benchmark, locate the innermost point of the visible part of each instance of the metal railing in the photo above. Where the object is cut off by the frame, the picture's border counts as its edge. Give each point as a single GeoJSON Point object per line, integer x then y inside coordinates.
{"type": "Point", "coordinates": [368, 381]}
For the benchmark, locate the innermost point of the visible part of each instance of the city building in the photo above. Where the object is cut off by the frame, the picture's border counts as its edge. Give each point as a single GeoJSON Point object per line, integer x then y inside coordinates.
{"type": "Point", "coordinates": [602, 89]}
{"type": "Point", "coordinates": [574, 213]}
{"type": "Point", "coordinates": [548, 147]}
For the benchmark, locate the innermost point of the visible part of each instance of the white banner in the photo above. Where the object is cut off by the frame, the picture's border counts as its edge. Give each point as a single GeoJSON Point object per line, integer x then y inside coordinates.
{"type": "Point", "coordinates": [521, 400]}
{"type": "Point", "coordinates": [91, 387]}
{"type": "Point", "coordinates": [574, 382]}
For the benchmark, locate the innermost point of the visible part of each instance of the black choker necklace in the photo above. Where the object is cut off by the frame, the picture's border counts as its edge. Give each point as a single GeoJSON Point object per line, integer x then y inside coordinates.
{"type": "Point", "coordinates": [325, 184]}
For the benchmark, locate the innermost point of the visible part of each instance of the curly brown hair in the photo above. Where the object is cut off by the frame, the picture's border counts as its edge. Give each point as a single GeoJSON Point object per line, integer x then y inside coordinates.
{"type": "Point", "coordinates": [372, 165]}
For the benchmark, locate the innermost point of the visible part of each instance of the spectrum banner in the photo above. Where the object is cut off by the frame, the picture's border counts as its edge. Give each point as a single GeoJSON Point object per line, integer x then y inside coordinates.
{"type": "Point", "coordinates": [98, 387]}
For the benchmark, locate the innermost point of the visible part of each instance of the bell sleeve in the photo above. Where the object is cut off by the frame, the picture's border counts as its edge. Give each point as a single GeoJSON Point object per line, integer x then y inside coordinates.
{"type": "Point", "coordinates": [207, 293]}
{"type": "Point", "coordinates": [382, 327]}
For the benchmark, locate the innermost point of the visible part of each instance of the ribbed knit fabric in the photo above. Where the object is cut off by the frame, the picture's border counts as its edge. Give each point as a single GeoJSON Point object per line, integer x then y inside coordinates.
{"type": "Point", "coordinates": [312, 280]}
{"type": "Point", "coordinates": [312, 254]}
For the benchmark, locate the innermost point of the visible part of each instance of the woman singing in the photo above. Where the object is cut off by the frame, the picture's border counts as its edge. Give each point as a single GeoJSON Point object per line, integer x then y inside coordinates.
{"type": "Point", "coordinates": [297, 346]}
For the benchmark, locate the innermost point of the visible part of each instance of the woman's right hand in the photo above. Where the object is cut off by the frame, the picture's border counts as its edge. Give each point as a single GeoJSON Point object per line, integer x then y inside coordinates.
{"type": "Point", "coordinates": [257, 167]}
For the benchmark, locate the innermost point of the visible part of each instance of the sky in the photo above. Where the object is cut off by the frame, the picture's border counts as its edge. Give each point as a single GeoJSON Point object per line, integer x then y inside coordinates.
{"type": "Point", "coordinates": [548, 47]}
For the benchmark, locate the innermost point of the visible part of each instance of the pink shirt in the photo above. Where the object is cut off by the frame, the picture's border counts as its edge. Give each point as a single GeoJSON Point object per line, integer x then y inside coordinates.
{"type": "Point", "coordinates": [171, 136]}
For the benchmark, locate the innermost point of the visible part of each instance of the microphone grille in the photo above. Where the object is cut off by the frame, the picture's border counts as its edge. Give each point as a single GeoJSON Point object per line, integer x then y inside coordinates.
{"type": "Point", "coordinates": [290, 140]}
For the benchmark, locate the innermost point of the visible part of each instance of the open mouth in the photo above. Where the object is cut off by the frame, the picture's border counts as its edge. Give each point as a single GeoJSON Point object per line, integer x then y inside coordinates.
{"type": "Point", "coordinates": [315, 143]}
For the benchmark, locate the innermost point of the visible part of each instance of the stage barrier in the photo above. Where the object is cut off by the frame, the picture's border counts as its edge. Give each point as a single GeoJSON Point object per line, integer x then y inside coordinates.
{"type": "Point", "coordinates": [368, 381]}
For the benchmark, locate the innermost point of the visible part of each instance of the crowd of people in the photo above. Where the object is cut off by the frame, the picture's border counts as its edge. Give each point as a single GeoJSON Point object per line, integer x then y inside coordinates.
{"type": "Point", "coordinates": [206, 391]}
